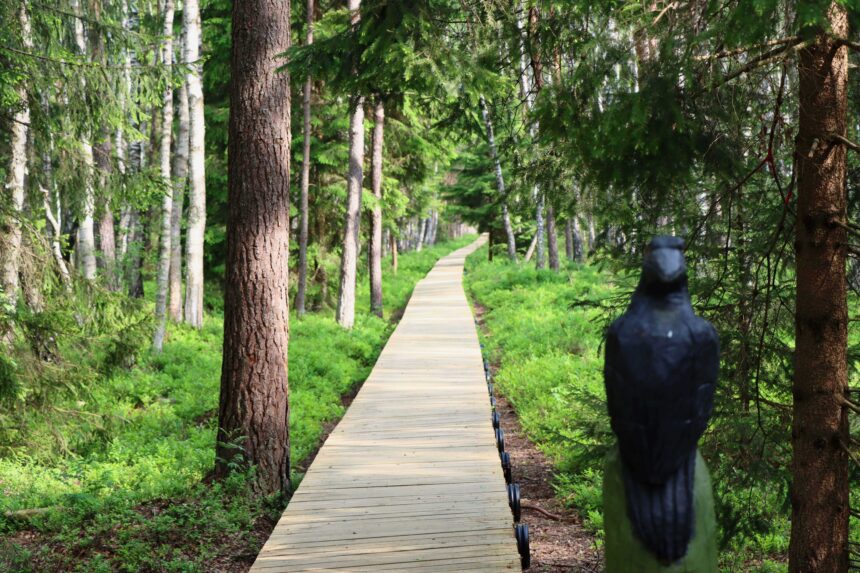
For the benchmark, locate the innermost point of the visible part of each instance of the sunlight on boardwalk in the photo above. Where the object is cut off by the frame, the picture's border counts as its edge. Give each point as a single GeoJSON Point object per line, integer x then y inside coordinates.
{"type": "Point", "coordinates": [410, 479]}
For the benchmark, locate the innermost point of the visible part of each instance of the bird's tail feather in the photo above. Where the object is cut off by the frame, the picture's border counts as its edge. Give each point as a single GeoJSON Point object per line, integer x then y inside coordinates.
{"type": "Point", "coordinates": [662, 514]}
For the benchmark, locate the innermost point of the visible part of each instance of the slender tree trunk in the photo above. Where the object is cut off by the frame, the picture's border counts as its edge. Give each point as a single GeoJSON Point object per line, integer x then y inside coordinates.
{"type": "Point", "coordinates": [349, 254]}
{"type": "Point", "coordinates": [419, 237]}
{"type": "Point", "coordinates": [819, 516]}
{"type": "Point", "coordinates": [306, 174]}
{"type": "Point", "coordinates": [86, 243]}
{"type": "Point", "coordinates": [51, 205]}
{"type": "Point", "coordinates": [10, 223]}
{"type": "Point", "coordinates": [540, 234]}
{"type": "Point", "coordinates": [180, 181]}
{"type": "Point", "coordinates": [254, 403]}
{"type": "Point", "coordinates": [531, 250]}
{"type": "Point", "coordinates": [578, 250]}
{"type": "Point", "coordinates": [375, 252]}
{"type": "Point", "coordinates": [104, 166]}
{"type": "Point", "coordinates": [552, 239]}
{"type": "Point", "coordinates": [393, 253]}
{"type": "Point", "coordinates": [568, 239]}
{"type": "Point", "coordinates": [500, 180]}
{"type": "Point", "coordinates": [196, 171]}
{"type": "Point", "coordinates": [162, 281]}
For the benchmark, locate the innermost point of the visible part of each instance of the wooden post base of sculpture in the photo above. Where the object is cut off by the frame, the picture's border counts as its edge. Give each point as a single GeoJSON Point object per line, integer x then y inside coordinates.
{"type": "Point", "coordinates": [626, 554]}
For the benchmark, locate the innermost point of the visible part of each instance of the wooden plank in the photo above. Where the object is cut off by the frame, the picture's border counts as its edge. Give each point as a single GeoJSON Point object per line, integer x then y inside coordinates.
{"type": "Point", "coordinates": [410, 479]}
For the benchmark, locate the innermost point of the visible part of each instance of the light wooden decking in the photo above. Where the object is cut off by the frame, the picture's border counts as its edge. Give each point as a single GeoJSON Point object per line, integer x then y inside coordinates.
{"type": "Point", "coordinates": [410, 479]}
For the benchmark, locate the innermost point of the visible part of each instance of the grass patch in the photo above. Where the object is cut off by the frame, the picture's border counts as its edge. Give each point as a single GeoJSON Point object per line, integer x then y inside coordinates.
{"type": "Point", "coordinates": [121, 472]}
{"type": "Point", "coordinates": [544, 333]}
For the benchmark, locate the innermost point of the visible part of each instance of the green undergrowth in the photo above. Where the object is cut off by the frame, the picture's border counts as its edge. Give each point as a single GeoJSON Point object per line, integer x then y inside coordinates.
{"type": "Point", "coordinates": [543, 332]}
{"type": "Point", "coordinates": [112, 476]}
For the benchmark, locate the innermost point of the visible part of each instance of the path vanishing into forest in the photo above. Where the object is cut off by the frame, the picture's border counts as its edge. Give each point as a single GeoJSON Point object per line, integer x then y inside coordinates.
{"type": "Point", "coordinates": [410, 478]}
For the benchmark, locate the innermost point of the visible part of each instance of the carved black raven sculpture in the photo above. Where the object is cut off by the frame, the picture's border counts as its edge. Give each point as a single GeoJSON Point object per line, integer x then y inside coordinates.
{"type": "Point", "coordinates": [661, 367]}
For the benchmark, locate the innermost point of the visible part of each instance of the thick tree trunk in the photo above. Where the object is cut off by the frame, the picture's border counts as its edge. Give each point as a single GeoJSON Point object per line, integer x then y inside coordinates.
{"type": "Point", "coordinates": [254, 407]}
{"type": "Point", "coordinates": [819, 516]}
{"type": "Point", "coordinates": [86, 243]}
{"type": "Point", "coordinates": [306, 174]}
{"type": "Point", "coordinates": [10, 223]}
{"type": "Point", "coordinates": [196, 171]}
{"type": "Point", "coordinates": [162, 283]}
{"type": "Point", "coordinates": [180, 181]}
{"type": "Point", "coordinates": [552, 239]}
{"type": "Point", "coordinates": [500, 180]}
{"type": "Point", "coordinates": [349, 254]}
{"type": "Point", "coordinates": [374, 257]}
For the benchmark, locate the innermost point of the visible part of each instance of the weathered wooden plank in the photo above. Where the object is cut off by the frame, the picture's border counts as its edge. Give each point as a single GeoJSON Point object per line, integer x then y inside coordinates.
{"type": "Point", "coordinates": [410, 479]}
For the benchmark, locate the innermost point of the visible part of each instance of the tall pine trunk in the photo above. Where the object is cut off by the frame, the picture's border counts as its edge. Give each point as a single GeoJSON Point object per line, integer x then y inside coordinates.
{"type": "Point", "coordinates": [10, 222]}
{"type": "Point", "coordinates": [306, 174]}
{"type": "Point", "coordinates": [819, 523]}
{"type": "Point", "coordinates": [180, 182]}
{"type": "Point", "coordinates": [349, 254]}
{"type": "Point", "coordinates": [104, 166]}
{"type": "Point", "coordinates": [164, 251]}
{"type": "Point", "coordinates": [196, 171]}
{"type": "Point", "coordinates": [374, 255]}
{"type": "Point", "coordinates": [254, 408]}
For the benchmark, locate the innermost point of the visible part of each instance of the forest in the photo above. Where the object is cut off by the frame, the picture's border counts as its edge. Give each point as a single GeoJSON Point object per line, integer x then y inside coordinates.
{"type": "Point", "coordinates": [214, 214]}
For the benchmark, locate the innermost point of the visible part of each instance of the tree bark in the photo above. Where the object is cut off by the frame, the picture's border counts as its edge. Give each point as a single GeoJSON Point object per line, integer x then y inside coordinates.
{"type": "Point", "coordinates": [196, 171]}
{"type": "Point", "coordinates": [180, 181]}
{"type": "Point", "coordinates": [393, 240]}
{"type": "Point", "coordinates": [500, 180]}
{"type": "Point", "coordinates": [10, 223]}
{"type": "Point", "coordinates": [568, 239]}
{"type": "Point", "coordinates": [162, 283]}
{"type": "Point", "coordinates": [374, 257]}
{"type": "Point", "coordinates": [104, 166]}
{"type": "Point", "coordinates": [86, 243]}
{"type": "Point", "coordinates": [254, 407]}
{"type": "Point", "coordinates": [349, 255]}
{"type": "Point", "coordinates": [306, 174]}
{"type": "Point", "coordinates": [819, 523]}
{"type": "Point", "coordinates": [552, 239]}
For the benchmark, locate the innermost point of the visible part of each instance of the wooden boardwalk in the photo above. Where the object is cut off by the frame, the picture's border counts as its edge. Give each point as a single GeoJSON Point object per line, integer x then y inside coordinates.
{"type": "Point", "coordinates": [410, 479]}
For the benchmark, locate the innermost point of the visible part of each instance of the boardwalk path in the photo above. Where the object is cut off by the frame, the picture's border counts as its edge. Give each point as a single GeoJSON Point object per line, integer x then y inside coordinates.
{"type": "Point", "coordinates": [410, 479]}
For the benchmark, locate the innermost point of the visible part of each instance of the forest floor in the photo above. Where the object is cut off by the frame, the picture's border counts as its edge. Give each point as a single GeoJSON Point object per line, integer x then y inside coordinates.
{"type": "Point", "coordinates": [121, 483]}
{"type": "Point", "coordinates": [558, 541]}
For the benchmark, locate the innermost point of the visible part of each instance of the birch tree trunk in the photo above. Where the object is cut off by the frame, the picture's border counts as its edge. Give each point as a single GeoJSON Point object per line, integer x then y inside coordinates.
{"type": "Point", "coordinates": [180, 181]}
{"type": "Point", "coordinates": [349, 254]}
{"type": "Point", "coordinates": [86, 243]}
{"type": "Point", "coordinates": [164, 252]}
{"type": "Point", "coordinates": [10, 224]}
{"type": "Point", "coordinates": [819, 496]}
{"type": "Point", "coordinates": [254, 401]}
{"type": "Point", "coordinates": [196, 171]}
{"type": "Point", "coordinates": [306, 174]}
{"type": "Point", "coordinates": [500, 180]}
{"type": "Point", "coordinates": [375, 252]}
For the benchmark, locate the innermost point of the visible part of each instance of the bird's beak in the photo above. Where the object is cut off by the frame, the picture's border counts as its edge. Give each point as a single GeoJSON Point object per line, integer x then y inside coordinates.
{"type": "Point", "coordinates": [668, 264]}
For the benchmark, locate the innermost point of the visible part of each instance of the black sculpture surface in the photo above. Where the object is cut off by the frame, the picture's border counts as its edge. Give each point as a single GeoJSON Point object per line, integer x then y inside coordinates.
{"type": "Point", "coordinates": [660, 372]}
